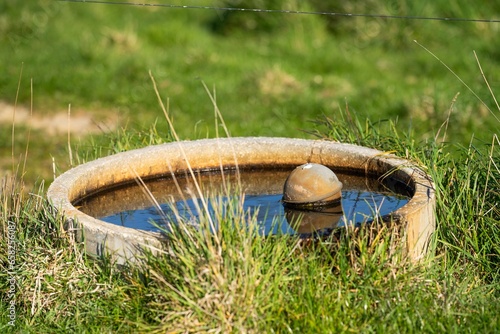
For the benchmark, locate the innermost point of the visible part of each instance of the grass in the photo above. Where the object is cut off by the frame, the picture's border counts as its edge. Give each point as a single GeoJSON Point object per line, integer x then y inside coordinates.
{"type": "Point", "coordinates": [337, 83]}
{"type": "Point", "coordinates": [237, 281]}
{"type": "Point", "coordinates": [273, 73]}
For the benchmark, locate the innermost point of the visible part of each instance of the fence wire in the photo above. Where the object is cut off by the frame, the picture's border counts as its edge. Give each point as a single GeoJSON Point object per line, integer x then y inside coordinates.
{"type": "Point", "coordinates": [285, 11]}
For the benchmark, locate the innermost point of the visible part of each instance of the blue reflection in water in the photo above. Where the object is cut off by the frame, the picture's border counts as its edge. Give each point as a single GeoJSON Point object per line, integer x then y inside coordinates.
{"type": "Point", "coordinates": [358, 206]}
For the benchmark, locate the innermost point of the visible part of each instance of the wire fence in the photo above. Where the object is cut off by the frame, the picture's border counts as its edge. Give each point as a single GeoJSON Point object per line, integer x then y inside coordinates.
{"type": "Point", "coordinates": [285, 11]}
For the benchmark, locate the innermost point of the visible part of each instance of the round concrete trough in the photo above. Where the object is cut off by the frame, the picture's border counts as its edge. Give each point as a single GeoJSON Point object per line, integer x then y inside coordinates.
{"type": "Point", "coordinates": [417, 217]}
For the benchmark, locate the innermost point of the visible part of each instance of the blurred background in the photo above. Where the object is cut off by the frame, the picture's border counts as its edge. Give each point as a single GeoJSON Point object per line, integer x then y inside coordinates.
{"type": "Point", "coordinates": [273, 74]}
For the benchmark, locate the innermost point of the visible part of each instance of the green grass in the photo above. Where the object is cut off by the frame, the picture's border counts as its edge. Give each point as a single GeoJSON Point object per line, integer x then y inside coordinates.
{"type": "Point", "coordinates": [277, 70]}
{"type": "Point", "coordinates": [236, 280]}
{"type": "Point", "coordinates": [274, 75]}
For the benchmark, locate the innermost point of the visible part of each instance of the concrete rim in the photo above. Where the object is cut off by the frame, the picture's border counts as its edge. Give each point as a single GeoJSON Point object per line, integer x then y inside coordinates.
{"type": "Point", "coordinates": [417, 216]}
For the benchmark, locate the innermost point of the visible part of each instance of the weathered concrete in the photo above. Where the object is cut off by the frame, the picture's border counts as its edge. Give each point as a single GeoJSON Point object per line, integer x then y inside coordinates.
{"type": "Point", "coordinates": [417, 216]}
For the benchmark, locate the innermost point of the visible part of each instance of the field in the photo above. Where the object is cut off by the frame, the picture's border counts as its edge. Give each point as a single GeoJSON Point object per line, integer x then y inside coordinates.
{"type": "Point", "coordinates": [75, 84]}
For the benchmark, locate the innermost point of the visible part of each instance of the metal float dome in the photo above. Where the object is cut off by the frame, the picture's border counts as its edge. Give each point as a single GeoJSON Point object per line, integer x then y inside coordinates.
{"type": "Point", "coordinates": [311, 184]}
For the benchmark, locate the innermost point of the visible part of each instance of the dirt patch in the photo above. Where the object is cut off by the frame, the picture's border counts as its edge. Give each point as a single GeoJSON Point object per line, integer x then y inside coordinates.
{"type": "Point", "coordinates": [80, 122]}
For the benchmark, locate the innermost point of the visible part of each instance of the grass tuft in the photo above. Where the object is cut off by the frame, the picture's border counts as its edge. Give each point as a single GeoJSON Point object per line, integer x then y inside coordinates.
{"type": "Point", "coordinates": [237, 280]}
{"type": "Point", "coordinates": [222, 275]}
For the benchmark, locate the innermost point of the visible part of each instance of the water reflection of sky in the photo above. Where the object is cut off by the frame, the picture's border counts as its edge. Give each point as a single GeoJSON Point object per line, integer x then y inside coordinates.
{"type": "Point", "coordinates": [358, 206]}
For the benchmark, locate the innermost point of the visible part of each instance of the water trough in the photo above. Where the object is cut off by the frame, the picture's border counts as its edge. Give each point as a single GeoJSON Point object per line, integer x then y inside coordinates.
{"type": "Point", "coordinates": [416, 218]}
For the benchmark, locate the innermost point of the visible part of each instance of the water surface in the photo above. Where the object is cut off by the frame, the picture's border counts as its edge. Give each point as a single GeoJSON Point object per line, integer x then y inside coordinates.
{"type": "Point", "coordinates": [134, 206]}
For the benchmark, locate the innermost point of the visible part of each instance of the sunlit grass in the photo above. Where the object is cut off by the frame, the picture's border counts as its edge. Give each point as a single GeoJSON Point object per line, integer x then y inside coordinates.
{"type": "Point", "coordinates": [236, 280]}
{"type": "Point", "coordinates": [313, 64]}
